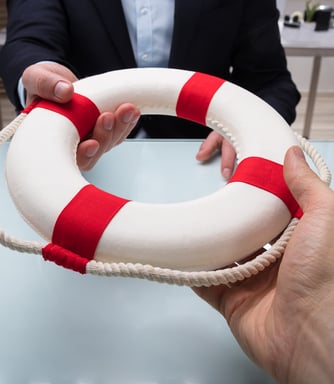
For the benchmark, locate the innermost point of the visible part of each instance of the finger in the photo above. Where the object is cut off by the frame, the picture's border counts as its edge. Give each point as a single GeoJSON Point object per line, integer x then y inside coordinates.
{"type": "Point", "coordinates": [49, 81]}
{"type": "Point", "coordinates": [311, 247]}
{"type": "Point", "coordinates": [110, 130]}
{"type": "Point", "coordinates": [126, 118]}
{"type": "Point", "coordinates": [209, 146]}
{"type": "Point", "coordinates": [90, 149]}
{"type": "Point", "coordinates": [227, 159]}
{"type": "Point", "coordinates": [101, 138]}
{"type": "Point", "coordinates": [305, 185]}
{"type": "Point", "coordinates": [87, 154]}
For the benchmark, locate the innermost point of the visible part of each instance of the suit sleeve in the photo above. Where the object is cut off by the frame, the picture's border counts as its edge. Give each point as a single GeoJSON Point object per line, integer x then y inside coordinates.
{"type": "Point", "coordinates": [259, 62]}
{"type": "Point", "coordinates": [36, 31]}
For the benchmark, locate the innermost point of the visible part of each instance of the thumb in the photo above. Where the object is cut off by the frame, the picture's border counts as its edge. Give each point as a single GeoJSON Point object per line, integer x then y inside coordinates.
{"type": "Point", "coordinates": [306, 187]}
{"type": "Point", "coordinates": [49, 81]}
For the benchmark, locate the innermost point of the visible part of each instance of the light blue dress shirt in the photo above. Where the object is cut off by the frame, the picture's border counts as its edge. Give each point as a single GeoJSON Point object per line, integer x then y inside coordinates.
{"type": "Point", "coordinates": [150, 25]}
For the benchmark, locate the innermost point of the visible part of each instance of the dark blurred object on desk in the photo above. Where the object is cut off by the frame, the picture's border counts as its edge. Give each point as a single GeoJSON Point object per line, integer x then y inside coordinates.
{"type": "Point", "coordinates": [293, 21]}
{"type": "Point", "coordinates": [320, 14]}
{"type": "Point", "coordinates": [322, 18]}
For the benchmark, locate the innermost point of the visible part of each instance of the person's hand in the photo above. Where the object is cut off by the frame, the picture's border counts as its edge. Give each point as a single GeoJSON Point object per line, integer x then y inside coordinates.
{"type": "Point", "coordinates": [283, 317]}
{"type": "Point", "coordinates": [53, 82]}
{"type": "Point", "coordinates": [213, 143]}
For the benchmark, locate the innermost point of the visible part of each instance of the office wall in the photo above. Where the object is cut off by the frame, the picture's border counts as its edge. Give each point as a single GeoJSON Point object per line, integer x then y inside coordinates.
{"type": "Point", "coordinates": [301, 67]}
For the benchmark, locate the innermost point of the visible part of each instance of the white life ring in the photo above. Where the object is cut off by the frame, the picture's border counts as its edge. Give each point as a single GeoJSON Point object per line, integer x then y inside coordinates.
{"type": "Point", "coordinates": [203, 234]}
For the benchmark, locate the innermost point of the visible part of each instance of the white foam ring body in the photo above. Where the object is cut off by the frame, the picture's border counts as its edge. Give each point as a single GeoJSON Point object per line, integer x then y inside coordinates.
{"type": "Point", "coordinates": [202, 234]}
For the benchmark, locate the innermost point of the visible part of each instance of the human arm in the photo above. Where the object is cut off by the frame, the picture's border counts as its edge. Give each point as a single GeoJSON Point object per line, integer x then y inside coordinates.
{"type": "Point", "coordinates": [259, 62]}
{"type": "Point", "coordinates": [282, 318]}
{"type": "Point", "coordinates": [53, 82]}
{"type": "Point", "coordinates": [39, 50]}
{"type": "Point", "coordinates": [256, 61]}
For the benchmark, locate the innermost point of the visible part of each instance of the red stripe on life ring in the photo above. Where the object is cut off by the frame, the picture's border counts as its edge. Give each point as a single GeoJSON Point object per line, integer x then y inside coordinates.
{"type": "Point", "coordinates": [80, 110]}
{"type": "Point", "coordinates": [267, 175]}
{"type": "Point", "coordinates": [82, 222]}
{"type": "Point", "coordinates": [195, 97]}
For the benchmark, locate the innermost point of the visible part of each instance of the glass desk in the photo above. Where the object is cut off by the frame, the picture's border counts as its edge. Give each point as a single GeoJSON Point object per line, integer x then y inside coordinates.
{"type": "Point", "coordinates": [60, 327]}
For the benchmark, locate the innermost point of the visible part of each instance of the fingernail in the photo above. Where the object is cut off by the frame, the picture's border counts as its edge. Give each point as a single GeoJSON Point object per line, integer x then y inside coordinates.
{"type": "Point", "coordinates": [226, 173]}
{"type": "Point", "coordinates": [128, 117]}
{"type": "Point", "coordinates": [298, 152]}
{"type": "Point", "coordinates": [61, 89]}
{"type": "Point", "coordinates": [107, 125]}
{"type": "Point", "coordinates": [91, 152]}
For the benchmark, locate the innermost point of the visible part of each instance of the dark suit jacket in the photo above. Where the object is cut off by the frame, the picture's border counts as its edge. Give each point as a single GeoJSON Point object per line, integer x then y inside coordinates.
{"type": "Point", "coordinates": [234, 39]}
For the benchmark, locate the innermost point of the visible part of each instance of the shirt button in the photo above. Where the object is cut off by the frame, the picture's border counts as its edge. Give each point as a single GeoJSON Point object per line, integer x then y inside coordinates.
{"type": "Point", "coordinates": [143, 11]}
{"type": "Point", "coordinates": [144, 56]}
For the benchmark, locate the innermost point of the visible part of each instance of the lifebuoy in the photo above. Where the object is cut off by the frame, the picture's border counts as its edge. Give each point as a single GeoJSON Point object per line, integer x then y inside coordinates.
{"type": "Point", "coordinates": [83, 223]}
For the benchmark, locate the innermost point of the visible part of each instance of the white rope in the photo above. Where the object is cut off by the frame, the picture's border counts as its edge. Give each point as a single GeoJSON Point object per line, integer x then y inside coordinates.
{"type": "Point", "coordinates": [196, 279]}
{"type": "Point", "coordinates": [163, 275]}
{"type": "Point", "coordinates": [25, 246]}
{"type": "Point", "coordinates": [7, 132]}
{"type": "Point", "coordinates": [224, 276]}
{"type": "Point", "coordinates": [318, 161]}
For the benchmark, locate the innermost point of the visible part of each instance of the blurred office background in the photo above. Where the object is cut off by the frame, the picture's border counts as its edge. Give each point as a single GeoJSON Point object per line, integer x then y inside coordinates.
{"type": "Point", "coordinates": [301, 68]}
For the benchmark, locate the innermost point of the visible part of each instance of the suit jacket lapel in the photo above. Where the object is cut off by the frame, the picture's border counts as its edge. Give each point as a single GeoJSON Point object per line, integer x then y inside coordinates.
{"type": "Point", "coordinates": [187, 13]}
{"type": "Point", "coordinates": [112, 16]}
